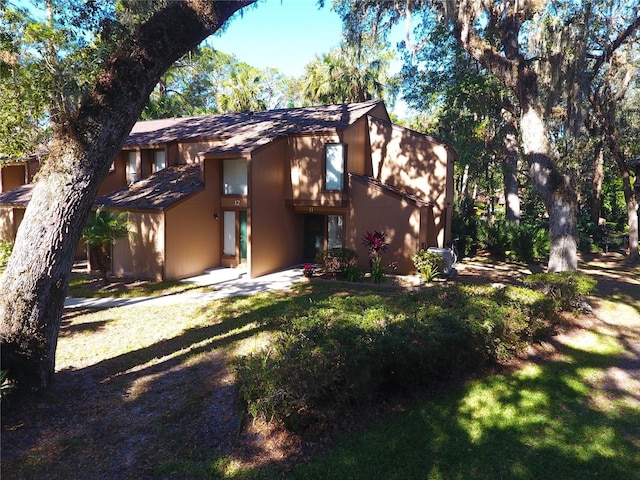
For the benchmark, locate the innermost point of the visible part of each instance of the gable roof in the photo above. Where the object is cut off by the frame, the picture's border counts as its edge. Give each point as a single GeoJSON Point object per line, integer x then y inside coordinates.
{"type": "Point", "coordinates": [240, 133]}
{"type": "Point", "coordinates": [158, 191]}
{"type": "Point", "coordinates": [17, 197]}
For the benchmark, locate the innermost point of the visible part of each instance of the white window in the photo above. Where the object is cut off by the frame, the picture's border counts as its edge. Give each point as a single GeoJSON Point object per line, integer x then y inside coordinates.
{"type": "Point", "coordinates": [334, 166]}
{"type": "Point", "coordinates": [234, 176]}
{"type": "Point", "coordinates": [159, 160]}
{"type": "Point", "coordinates": [334, 231]}
{"type": "Point", "coordinates": [132, 167]}
{"type": "Point", "coordinates": [229, 227]}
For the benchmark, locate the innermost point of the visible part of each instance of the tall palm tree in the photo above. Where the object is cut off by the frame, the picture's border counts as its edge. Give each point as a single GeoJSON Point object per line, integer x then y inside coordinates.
{"type": "Point", "coordinates": [349, 73]}
{"type": "Point", "coordinates": [243, 91]}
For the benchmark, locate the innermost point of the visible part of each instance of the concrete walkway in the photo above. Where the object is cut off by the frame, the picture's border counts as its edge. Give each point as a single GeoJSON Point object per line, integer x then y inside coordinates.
{"type": "Point", "coordinates": [227, 282]}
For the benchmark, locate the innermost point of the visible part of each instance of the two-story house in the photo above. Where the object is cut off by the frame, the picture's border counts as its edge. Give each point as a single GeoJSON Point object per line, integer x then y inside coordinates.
{"type": "Point", "coordinates": [268, 190]}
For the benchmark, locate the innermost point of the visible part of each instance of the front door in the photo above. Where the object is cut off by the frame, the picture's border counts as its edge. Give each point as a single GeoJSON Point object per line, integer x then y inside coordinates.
{"type": "Point", "coordinates": [242, 237]}
{"type": "Point", "coordinates": [313, 236]}
{"type": "Point", "coordinates": [234, 245]}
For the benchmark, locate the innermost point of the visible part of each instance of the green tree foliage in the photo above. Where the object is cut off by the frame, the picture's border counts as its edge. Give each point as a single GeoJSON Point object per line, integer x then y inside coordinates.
{"type": "Point", "coordinates": [24, 87]}
{"type": "Point", "coordinates": [463, 103]}
{"type": "Point", "coordinates": [349, 73]}
{"type": "Point", "coordinates": [242, 90]}
{"type": "Point", "coordinates": [102, 229]}
{"type": "Point", "coordinates": [191, 86]}
{"type": "Point", "coordinates": [103, 60]}
{"type": "Point", "coordinates": [207, 81]}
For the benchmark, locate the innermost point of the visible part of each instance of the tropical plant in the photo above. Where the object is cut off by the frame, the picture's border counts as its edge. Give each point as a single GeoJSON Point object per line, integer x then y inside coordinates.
{"type": "Point", "coordinates": [428, 264]}
{"type": "Point", "coordinates": [242, 91]}
{"type": "Point", "coordinates": [376, 244]}
{"type": "Point", "coordinates": [349, 73]}
{"type": "Point", "coordinates": [101, 230]}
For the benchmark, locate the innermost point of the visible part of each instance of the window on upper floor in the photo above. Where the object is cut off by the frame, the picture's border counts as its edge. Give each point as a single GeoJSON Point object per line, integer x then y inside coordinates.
{"type": "Point", "coordinates": [132, 167]}
{"type": "Point", "coordinates": [234, 176]}
{"type": "Point", "coordinates": [159, 160]}
{"type": "Point", "coordinates": [334, 166]}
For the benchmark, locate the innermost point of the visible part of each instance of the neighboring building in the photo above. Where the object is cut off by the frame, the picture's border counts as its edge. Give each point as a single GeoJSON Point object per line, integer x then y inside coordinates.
{"type": "Point", "coordinates": [13, 203]}
{"type": "Point", "coordinates": [268, 190]}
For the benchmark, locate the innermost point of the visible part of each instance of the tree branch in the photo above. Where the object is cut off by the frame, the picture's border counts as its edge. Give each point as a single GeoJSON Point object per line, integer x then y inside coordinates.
{"type": "Point", "coordinates": [613, 46]}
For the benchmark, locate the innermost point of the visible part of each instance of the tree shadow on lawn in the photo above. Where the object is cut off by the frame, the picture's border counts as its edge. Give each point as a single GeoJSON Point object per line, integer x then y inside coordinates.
{"type": "Point", "coordinates": [123, 416]}
{"type": "Point", "coordinates": [169, 410]}
{"type": "Point", "coordinates": [544, 421]}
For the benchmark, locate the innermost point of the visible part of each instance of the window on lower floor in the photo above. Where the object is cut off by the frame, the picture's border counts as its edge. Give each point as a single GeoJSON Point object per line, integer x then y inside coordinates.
{"type": "Point", "coordinates": [229, 226]}
{"type": "Point", "coordinates": [334, 231]}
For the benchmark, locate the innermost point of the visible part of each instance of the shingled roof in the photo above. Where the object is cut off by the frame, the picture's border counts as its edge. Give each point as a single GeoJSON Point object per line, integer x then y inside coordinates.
{"type": "Point", "coordinates": [17, 197]}
{"type": "Point", "coordinates": [158, 191]}
{"type": "Point", "coordinates": [244, 132]}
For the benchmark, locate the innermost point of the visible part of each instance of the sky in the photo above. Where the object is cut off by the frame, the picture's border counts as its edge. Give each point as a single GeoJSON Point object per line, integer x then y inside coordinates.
{"type": "Point", "coordinates": [284, 34]}
{"type": "Point", "coordinates": [287, 34]}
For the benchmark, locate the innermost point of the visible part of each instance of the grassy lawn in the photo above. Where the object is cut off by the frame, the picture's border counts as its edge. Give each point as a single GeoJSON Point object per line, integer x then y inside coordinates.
{"type": "Point", "coordinates": [83, 285]}
{"type": "Point", "coordinates": [147, 392]}
{"type": "Point", "coordinates": [551, 420]}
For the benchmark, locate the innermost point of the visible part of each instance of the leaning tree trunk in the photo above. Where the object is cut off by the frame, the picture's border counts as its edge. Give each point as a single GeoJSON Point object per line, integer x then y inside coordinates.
{"type": "Point", "coordinates": [84, 144]}
{"type": "Point", "coordinates": [514, 71]}
{"type": "Point", "coordinates": [556, 191]}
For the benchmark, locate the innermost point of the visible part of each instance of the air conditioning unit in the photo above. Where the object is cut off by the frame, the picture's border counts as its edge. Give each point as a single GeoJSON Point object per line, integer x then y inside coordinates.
{"type": "Point", "coordinates": [447, 260]}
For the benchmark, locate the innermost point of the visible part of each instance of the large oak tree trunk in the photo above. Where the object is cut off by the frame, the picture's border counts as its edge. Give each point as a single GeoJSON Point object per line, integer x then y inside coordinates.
{"type": "Point", "coordinates": [85, 142]}
{"type": "Point", "coordinates": [513, 70]}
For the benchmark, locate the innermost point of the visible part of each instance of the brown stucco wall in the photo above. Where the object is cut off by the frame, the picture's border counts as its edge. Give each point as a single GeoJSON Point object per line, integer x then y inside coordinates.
{"type": "Point", "coordinates": [116, 178]}
{"type": "Point", "coordinates": [356, 138]}
{"type": "Point", "coordinates": [305, 154]}
{"type": "Point", "coordinates": [370, 209]}
{"type": "Point", "coordinates": [188, 151]}
{"type": "Point", "coordinates": [192, 234]}
{"type": "Point", "coordinates": [12, 176]}
{"type": "Point", "coordinates": [380, 111]}
{"type": "Point", "coordinates": [10, 219]}
{"type": "Point", "coordinates": [147, 242]}
{"type": "Point", "coordinates": [274, 229]}
{"type": "Point", "coordinates": [417, 164]}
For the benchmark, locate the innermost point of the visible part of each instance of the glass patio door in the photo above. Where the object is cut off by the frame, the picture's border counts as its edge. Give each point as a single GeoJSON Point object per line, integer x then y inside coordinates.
{"type": "Point", "coordinates": [235, 234]}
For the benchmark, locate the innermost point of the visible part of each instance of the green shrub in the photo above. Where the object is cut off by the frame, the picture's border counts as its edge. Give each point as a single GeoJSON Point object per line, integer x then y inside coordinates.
{"type": "Point", "coordinates": [349, 353]}
{"type": "Point", "coordinates": [428, 264]}
{"type": "Point", "coordinates": [5, 252]}
{"type": "Point", "coordinates": [524, 242]}
{"type": "Point", "coordinates": [337, 260]}
{"type": "Point", "coordinates": [353, 273]}
{"type": "Point", "coordinates": [566, 289]}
